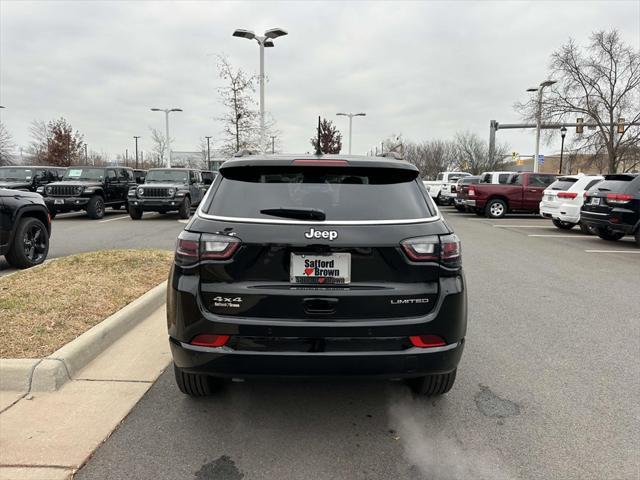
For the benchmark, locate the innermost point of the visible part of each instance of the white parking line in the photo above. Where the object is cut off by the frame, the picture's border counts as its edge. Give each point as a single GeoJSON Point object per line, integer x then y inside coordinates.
{"type": "Point", "coordinates": [612, 251]}
{"type": "Point", "coordinates": [582, 237]}
{"type": "Point", "coordinates": [113, 219]}
{"type": "Point", "coordinates": [522, 226]}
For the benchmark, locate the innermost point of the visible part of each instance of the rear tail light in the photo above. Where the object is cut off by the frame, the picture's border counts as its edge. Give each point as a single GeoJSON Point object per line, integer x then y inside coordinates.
{"type": "Point", "coordinates": [444, 249]}
{"type": "Point", "coordinates": [453, 188]}
{"type": "Point", "coordinates": [209, 340]}
{"type": "Point", "coordinates": [427, 341]}
{"type": "Point", "coordinates": [193, 247]}
{"type": "Point", "coordinates": [618, 198]}
{"type": "Point", "coordinates": [472, 192]}
{"type": "Point", "coordinates": [570, 195]}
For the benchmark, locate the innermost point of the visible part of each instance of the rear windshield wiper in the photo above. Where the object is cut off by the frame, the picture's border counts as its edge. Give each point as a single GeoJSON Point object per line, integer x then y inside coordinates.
{"type": "Point", "coordinates": [299, 213]}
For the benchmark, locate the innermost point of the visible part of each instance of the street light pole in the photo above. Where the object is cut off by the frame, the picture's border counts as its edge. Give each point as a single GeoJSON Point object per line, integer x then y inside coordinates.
{"type": "Point", "coordinates": [563, 133]}
{"type": "Point", "coordinates": [167, 111]}
{"type": "Point", "coordinates": [208, 153]}
{"type": "Point", "coordinates": [273, 144]}
{"type": "Point", "coordinates": [540, 89]}
{"type": "Point", "coordinates": [136, 139]}
{"type": "Point", "coordinates": [265, 40]}
{"type": "Point", "coordinates": [351, 115]}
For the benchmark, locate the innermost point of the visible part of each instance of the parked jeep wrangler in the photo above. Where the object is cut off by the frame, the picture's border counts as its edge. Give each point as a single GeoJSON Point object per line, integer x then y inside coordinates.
{"type": "Point", "coordinates": [24, 228]}
{"type": "Point", "coordinates": [89, 188]}
{"type": "Point", "coordinates": [165, 190]}
{"type": "Point", "coordinates": [28, 178]}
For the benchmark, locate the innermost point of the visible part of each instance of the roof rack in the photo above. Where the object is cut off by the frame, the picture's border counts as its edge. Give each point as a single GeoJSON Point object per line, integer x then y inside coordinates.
{"type": "Point", "coordinates": [244, 153]}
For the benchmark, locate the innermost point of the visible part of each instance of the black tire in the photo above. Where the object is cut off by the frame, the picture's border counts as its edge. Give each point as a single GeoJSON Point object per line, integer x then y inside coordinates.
{"type": "Point", "coordinates": [495, 208]}
{"type": "Point", "coordinates": [185, 208]}
{"type": "Point", "coordinates": [30, 244]}
{"type": "Point", "coordinates": [438, 200]}
{"type": "Point", "coordinates": [586, 229]}
{"type": "Point", "coordinates": [196, 385]}
{"type": "Point", "coordinates": [135, 213]}
{"type": "Point", "coordinates": [95, 207]}
{"type": "Point", "coordinates": [609, 235]}
{"type": "Point", "coordinates": [459, 207]}
{"type": "Point", "coordinates": [563, 225]}
{"type": "Point", "coordinates": [432, 384]}
{"type": "Point", "coordinates": [637, 235]}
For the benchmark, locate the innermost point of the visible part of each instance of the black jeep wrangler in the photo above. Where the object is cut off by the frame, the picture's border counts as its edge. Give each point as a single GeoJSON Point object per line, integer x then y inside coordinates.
{"type": "Point", "coordinates": [24, 228]}
{"type": "Point", "coordinates": [167, 189]}
{"type": "Point", "coordinates": [90, 189]}
{"type": "Point", "coordinates": [28, 178]}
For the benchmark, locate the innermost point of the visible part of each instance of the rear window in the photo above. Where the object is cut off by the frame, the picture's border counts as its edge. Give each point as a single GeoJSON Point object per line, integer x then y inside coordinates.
{"type": "Point", "coordinates": [564, 183]}
{"type": "Point", "coordinates": [341, 193]}
{"type": "Point", "coordinates": [504, 177]}
{"type": "Point", "coordinates": [615, 183]}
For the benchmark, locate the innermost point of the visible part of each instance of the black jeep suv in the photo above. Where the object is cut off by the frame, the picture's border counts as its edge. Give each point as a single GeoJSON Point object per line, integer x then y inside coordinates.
{"type": "Point", "coordinates": [612, 207]}
{"type": "Point", "coordinates": [89, 188]}
{"type": "Point", "coordinates": [165, 190]}
{"type": "Point", "coordinates": [317, 266]}
{"type": "Point", "coordinates": [25, 228]}
{"type": "Point", "coordinates": [28, 178]}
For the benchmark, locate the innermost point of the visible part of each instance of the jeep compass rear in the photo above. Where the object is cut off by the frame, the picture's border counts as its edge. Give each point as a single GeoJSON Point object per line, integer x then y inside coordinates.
{"type": "Point", "coordinates": [317, 266]}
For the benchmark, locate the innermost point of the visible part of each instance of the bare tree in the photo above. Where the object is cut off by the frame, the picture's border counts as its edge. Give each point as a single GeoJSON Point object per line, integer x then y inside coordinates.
{"type": "Point", "coordinates": [602, 83]}
{"type": "Point", "coordinates": [6, 146]}
{"type": "Point", "coordinates": [159, 148]}
{"type": "Point", "coordinates": [240, 127]}
{"type": "Point", "coordinates": [473, 154]}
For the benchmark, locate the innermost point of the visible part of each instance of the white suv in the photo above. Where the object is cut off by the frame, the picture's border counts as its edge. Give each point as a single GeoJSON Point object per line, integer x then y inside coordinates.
{"type": "Point", "coordinates": [562, 200]}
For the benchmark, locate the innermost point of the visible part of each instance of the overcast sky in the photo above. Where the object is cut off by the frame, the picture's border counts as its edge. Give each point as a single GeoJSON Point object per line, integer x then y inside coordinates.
{"type": "Point", "coordinates": [423, 69]}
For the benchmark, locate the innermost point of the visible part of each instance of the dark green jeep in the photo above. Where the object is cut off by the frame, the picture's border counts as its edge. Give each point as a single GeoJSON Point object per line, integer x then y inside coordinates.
{"type": "Point", "coordinates": [167, 189]}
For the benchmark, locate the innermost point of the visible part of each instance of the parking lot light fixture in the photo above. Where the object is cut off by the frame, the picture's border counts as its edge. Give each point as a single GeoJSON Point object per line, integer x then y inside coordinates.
{"type": "Point", "coordinates": [563, 133]}
{"type": "Point", "coordinates": [351, 115]}
{"type": "Point", "coordinates": [265, 40]}
{"type": "Point", "coordinates": [540, 89]}
{"type": "Point", "coordinates": [166, 112]}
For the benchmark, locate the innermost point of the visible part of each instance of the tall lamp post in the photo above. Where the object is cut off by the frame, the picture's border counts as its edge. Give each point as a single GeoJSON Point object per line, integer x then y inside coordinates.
{"type": "Point", "coordinates": [167, 111]}
{"type": "Point", "coordinates": [563, 133]}
{"type": "Point", "coordinates": [351, 115]}
{"type": "Point", "coordinates": [265, 40]}
{"type": "Point", "coordinates": [208, 153]}
{"type": "Point", "coordinates": [136, 137]}
{"type": "Point", "coordinates": [542, 86]}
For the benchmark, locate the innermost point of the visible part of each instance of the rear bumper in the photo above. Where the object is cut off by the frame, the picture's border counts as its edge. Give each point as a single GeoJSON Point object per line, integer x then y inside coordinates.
{"type": "Point", "coordinates": [186, 318]}
{"type": "Point", "coordinates": [560, 211]}
{"type": "Point", "coordinates": [224, 362]}
{"type": "Point", "coordinates": [470, 203]}
{"type": "Point", "coordinates": [603, 220]}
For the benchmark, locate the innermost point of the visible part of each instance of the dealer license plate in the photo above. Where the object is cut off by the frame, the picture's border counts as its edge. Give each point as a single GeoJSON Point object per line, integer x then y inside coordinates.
{"type": "Point", "coordinates": [58, 201]}
{"type": "Point", "coordinates": [332, 269]}
{"type": "Point", "coordinates": [595, 200]}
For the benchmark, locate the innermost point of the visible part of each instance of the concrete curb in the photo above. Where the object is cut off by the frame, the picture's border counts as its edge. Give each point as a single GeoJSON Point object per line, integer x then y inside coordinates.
{"type": "Point", "coordinates": [50, 373]}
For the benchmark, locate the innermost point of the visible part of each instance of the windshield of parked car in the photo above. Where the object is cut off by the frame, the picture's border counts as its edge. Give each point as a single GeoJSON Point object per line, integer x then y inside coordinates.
{"type": "Point", "coordinates": [167, 176]}
{"type": "Point", "coordinates": [91, 174]}
{"type": "Point", "coordinates": [17, 174]}
{"type": "Point", "coordinates": [344, 193]}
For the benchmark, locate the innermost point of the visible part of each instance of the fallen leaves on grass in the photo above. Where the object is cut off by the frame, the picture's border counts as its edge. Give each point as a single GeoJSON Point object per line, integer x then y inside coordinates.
{"type": "Point", "coordinates": [44, 308]}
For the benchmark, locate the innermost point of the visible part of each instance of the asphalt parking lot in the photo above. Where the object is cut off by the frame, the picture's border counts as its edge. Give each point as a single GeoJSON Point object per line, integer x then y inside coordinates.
{"type": "Point", "coordinates": [547, 387]}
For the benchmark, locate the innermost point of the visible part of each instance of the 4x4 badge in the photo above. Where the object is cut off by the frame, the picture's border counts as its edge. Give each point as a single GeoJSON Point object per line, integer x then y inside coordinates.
{"type": "Point", "coordinates": [328, 234]}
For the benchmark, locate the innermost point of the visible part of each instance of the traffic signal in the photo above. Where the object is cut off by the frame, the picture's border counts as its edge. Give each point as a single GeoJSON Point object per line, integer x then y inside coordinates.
{"type": "Point", "coordinates": [580, 126]}
{"type": "Point", "coordinates": [620, 125]}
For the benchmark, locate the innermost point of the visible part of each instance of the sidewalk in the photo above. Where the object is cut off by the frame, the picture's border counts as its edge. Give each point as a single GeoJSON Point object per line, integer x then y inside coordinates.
{"type": "Point", "coordinates": [49, 436]}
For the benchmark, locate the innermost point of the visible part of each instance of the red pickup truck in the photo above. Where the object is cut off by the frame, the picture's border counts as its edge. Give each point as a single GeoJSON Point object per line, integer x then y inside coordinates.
{"type": "Point", "coordinates": [523, 193]}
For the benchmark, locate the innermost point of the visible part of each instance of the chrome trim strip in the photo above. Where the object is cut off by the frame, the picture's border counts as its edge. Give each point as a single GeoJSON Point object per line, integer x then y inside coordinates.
{"type": "Point", "coordinates": [312, 222]}
{"type": "Point", "coordinates": [408, 351]}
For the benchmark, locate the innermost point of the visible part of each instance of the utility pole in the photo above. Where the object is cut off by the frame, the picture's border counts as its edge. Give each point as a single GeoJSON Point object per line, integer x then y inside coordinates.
{"type": "Point", "coordinates": [86, 155]}
{"type": "Point", "coordinates": [136, 139]}
{"type": "Point", "coordinates": [208, 153]}
{"type": "Point", "coordinates": [126, 157]}
{"type": "Point", "coordinates": [539, 89]}
{"type": "Point", "coordinates": [167, 111]}
{"type": "Point", "coordinates": [273, 144]}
